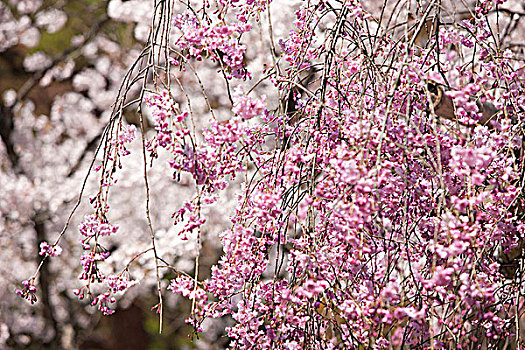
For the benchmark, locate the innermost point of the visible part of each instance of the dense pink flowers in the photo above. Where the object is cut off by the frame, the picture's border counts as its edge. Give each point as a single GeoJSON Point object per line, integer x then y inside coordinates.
{"type": "Point", "coordinates": [93, 226]}
{"type": "Point", "coordinates": [216, 41]}
{"type": "Point", "coordinates": [381, 198]}
{"type": "Point", "coordinates": [247, 107]}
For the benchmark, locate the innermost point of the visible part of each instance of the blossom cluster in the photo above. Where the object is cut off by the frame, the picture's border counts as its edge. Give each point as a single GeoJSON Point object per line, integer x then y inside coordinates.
{"type": "Point", "coordinates": [49, 250]}
{"type": "Point", "coordinates": [28, 292]}
{"type": "Point", "coordinates": [215, 41]}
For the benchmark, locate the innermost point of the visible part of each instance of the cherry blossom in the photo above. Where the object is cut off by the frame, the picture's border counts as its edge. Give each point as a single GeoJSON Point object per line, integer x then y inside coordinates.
{"type": "Point", "coordinates": [359, 164]}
